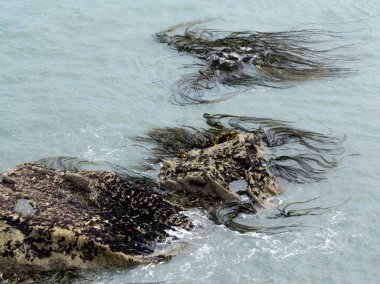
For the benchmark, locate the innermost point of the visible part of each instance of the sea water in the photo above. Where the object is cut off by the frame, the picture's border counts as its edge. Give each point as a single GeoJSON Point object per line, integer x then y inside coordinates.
{"type": "Point", "coordinates": [79, 78]}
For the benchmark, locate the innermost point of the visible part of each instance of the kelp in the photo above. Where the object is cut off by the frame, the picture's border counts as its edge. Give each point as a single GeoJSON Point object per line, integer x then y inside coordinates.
{"type": "Point", "coordinates": [311, 154]}
{"type": "Point", "coordinates": [229, 60]}
{"type": "Point", "coordinates": [177, 141]}
{"type": "Point", "coordinates": [293, 155]}
{"type": "Point", "coordinates": [226, 214]}
{"type": "Point", "coordinates": [75, 164]}
{"type": "Point", "coordinates": [304, 156]}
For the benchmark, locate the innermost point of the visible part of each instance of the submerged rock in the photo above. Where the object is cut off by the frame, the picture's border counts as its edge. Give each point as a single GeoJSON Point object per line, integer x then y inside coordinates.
{"type": "Point", "coordinates": [54, 220]}
{"type": "Point", "coordinates": [209, 172]}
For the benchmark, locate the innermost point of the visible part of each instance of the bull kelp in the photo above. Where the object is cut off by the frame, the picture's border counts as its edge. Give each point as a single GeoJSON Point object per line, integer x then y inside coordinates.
{"type": "Point", "coordinates": [248, 58]}
{"type": "Point", "coordinates": [199, 165]}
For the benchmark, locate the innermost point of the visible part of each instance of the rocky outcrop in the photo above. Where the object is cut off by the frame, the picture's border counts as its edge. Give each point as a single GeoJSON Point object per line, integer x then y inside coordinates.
{"type": "Point", "coordinates": [56, 219]}
{"type": "Point", "coordinates": [61, 219]}
{"type": "Point", "coordinates": [208, 172]}
{"type": "Point", "coordinates": [53, 220]}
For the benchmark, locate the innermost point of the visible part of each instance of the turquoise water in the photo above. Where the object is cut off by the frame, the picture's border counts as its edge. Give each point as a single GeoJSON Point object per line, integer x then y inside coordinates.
{"type": "Point", "coordinates": [78, 78]}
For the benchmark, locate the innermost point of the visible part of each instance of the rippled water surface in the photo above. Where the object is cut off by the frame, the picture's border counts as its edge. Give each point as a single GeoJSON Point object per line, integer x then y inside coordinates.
{"type": "Point", "coordinates": [78, 78]}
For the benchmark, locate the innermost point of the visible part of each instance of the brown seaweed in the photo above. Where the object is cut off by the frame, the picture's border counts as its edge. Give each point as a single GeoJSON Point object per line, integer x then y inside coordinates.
{"type": "Point", "coordinates": [230, 60]}
{"type": "Point", "coordinates": [304, 156]}
{"type": "Point", "coordinates": [226, 214]}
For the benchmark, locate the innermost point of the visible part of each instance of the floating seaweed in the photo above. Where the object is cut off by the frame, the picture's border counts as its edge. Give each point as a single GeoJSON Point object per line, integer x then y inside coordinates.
{"type": "Point", "coordinates": [247, 59]}
{"type": "Point", "coordinates": [226, 214]}
{"type": "Point", "coordinates": [311, 154]}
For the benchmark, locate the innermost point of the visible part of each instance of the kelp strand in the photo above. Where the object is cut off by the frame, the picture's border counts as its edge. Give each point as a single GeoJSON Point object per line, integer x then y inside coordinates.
{"type": "Point", "coordinates": [310, 163]}
{"type": "Point", "coordinates": [248, 59]}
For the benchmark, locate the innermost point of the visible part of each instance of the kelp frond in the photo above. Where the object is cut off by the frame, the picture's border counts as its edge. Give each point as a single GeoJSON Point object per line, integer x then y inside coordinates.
{"type": "Point", "coordinates": [227, 214]}
{"type": "Point", "coordinates": [75, 164]}
{"type": "Point", "coordinates": [65, 163]}
{"type": "Point", "coordinates": [247, 59]}
{"type": "Point", "coordinates": [301, 168]}
{"type": "Point", "coordinates": [176, 141]}
{"type": "Point", "coordinates": [299, 156]}
{"type": "Point", "coordinates": [276, 133]}
{"type": "Point", "coordinates": [304, 156]}
{"type": "Point", "coordinates": [290, 210]}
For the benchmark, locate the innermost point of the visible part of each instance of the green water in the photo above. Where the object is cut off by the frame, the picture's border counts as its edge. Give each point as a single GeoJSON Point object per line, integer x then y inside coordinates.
{"type": "Point", "coordinates": [78, 78]}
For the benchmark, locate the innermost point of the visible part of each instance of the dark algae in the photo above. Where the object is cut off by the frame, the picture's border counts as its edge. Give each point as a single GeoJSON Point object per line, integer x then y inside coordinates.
{"type": "Point", "coordinates": [230, 60]}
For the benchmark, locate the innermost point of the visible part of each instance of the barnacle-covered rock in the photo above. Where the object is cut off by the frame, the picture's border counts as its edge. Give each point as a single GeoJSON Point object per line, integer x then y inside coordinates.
{"type": "Point", "coordinates": [54, 219]}
{"type": "Point", "coordinates": [208, 172]}
{"type": "Point", "coordinates": [202, 166]}
{"type": "Point", "coordinates": [223, 169]}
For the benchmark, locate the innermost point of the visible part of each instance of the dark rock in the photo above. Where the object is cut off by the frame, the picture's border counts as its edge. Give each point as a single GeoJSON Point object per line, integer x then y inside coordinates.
{"type": "Point", "coordinates": [208, 172]}
{"type": "Point", "coordinates": [54, 220]}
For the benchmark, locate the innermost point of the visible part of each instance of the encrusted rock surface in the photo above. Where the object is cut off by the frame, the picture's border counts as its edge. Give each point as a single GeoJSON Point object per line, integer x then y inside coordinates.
{"type": "Point", "coordinates": [52, 220]}
{"type": "Point", "coordinates": [208, 172]}
{"type": "Point", "coordinates": [56, 219]}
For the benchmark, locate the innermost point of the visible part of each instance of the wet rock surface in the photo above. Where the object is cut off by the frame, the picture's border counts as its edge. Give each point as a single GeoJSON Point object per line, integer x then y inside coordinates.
{"type": "Point", "coordinates": [54, 219]}
{"type": "Point", "coordinates": [207, 173]}
{"type": "Point", "coordinates": [58, 220]}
